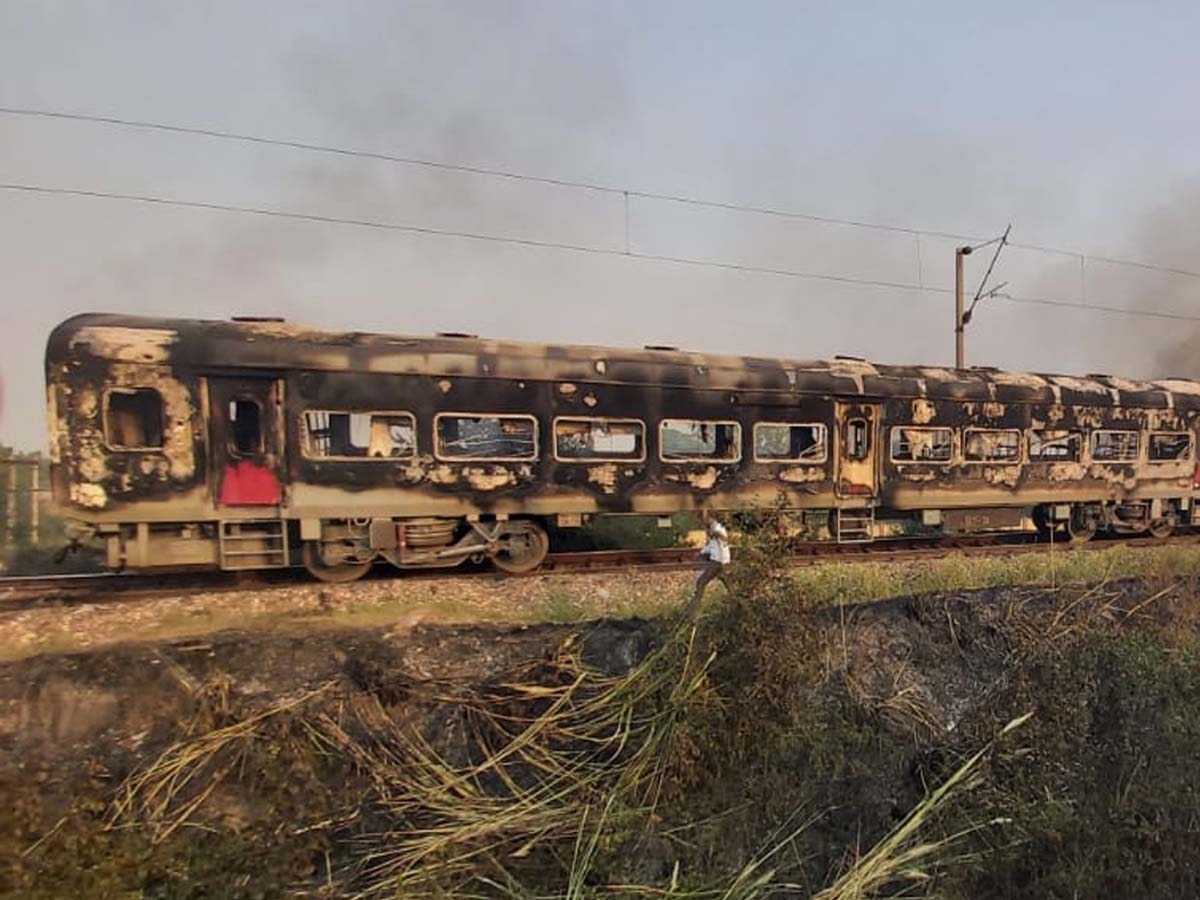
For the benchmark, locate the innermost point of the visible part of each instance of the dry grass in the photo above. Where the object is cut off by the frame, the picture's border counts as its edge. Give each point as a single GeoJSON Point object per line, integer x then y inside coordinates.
{"type": "Point", "coordinates": [554, 776]}
{"type": "Point", "coordinates": [902, 857]}
{"type": "Point", "coordinates": [166, 794]}
{"type": "Point", "coordinates": [551, 773]}
{"type": "Point", "coordinates": [559, 756]}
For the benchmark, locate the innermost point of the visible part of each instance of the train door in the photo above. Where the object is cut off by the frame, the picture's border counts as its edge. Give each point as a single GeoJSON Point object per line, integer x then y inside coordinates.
{"type": "Point", "coordinates": [857, 456]}
{"type": "Point", "coordinates": [245, 422]}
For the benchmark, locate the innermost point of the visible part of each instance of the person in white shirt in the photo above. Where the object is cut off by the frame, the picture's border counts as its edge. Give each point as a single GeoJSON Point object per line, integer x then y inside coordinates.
{"type": "Point", "coordinates": [715, 557]}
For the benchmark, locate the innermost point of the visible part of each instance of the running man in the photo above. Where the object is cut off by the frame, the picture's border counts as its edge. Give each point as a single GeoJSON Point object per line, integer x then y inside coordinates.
{"type": "Point", "coordinates": [715, 557]}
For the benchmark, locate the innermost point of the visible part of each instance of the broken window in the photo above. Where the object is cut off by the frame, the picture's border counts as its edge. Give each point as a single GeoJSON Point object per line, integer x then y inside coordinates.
{"type": "Point", "coordinates": [922, 444]}
{"type": "Point", "coordinates": [858, 439]}
{"type": "Point", "coordinates": [133, 419]}
{"type": "Point", "coordinates": [245, 426]}
{"type": "Point", "coordinates": [1051, 445]}
{"type": "Point", "coordinates": [694, 439]}
{"type": "Point", "coordinates": [346, 435]}
{"type": "Point", "coordinates": [1115, 446]}
{"type": "Point", "coordinates": [983, 445]}
{"type": "Point", "coordinates": [783, 441]}
{"type": "Point", "coordinates": [1166, 446]}
{"type": "Point", "coordinates": [588, 439]}
{"type": "Point", "coordinates": [463, 436]}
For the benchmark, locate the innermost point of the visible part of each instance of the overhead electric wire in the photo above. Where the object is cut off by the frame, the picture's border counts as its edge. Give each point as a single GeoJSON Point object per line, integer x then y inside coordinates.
{"type": "Point", "coordinates": [445, 232]}
{"type": "Point", "coordinates": [562, 246]}
{"type": "Point", "coordinates": [451, 167]}
{"type": "Point", "coordinates": [219, 134]}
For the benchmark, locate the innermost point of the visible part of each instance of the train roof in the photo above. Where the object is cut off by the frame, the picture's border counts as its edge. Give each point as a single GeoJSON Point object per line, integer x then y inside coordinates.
{"type": "Point", "coordinates": [271, 344]}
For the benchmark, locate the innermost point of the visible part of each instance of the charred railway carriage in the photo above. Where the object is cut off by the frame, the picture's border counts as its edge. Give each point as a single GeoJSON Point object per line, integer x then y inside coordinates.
{"type": "Point", "coordinates": [247, 444]}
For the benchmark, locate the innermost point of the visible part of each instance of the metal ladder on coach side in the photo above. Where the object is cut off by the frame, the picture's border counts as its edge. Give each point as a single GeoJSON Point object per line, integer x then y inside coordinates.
{"type": "Point", "coordinates": [855, 526]}
{"type": "Point", "coordinates": [253, 544]}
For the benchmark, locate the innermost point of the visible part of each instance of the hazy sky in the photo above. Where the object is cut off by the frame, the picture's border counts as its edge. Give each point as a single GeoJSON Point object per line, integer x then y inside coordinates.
{"type": "Point", "coordinates": [1076, 122]}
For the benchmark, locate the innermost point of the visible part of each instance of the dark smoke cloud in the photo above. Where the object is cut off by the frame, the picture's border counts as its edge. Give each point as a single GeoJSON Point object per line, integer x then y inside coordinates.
{"type": "Point", "coordinates": [1169, 235]}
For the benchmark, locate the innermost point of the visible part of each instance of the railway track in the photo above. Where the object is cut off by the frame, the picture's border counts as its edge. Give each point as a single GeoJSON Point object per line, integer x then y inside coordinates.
{"type": "Point", "coordinates": [24, 591]}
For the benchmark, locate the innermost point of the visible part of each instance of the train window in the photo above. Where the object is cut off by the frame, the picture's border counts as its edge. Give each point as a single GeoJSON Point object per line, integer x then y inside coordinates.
{"type": "Point", "coordinates": [501, 438]}
{"type": "Point", "coordinates": [786, 442]}
{"type": "Point", "coordinates": [1115, 446]}
{"type": "Point", "coordinates": [595, 439]}
{"type": "Point", "coordinates": [1167, 446]}
{"type": "Point", "coordinates": [1052, 445]}
{"type": "Point", "coordinates": [359, 435]}
{"type": "Point", "coordinates": [694, 439]}
{"type": "Point", "coordinates": [922, 444]}
{"type": "Point", "coordinates": [858, 439]}
{"type": "Point", "coordinates": [133, 419]}
{"type": "Point", "coordinates": [987, 445]}
{"type": "Point", "coordinates": [245, 426]}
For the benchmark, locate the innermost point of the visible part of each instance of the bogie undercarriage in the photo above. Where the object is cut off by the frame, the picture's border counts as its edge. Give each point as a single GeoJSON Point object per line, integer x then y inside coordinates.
{"type": "Point", "coordinates": [347, 548]}
{"type": "Point", "coordinates": [1080, 522]}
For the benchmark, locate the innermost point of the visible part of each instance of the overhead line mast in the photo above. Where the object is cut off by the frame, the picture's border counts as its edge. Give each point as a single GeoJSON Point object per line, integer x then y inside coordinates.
{"type": "Point", "coordinates": [963, 317]}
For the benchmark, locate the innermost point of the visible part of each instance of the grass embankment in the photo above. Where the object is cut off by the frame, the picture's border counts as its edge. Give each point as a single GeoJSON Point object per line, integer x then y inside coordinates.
{"type": "Point", "coordinates": [550, 779]}
{"type": "Point", "coordinates": [789, 745]}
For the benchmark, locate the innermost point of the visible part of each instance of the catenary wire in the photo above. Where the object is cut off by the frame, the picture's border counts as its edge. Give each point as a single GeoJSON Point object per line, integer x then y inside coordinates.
{"type": "Point", "coordinates": [563, 246]}
{"type": "Point", "coordinates": [451, 167]}
{"type": "Point", "coordinates": [220, 134]}
{"type": "Point", "coordinates": [444, 232]}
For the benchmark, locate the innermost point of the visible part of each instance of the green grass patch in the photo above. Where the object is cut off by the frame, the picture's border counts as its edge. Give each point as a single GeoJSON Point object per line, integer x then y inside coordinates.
{"type": "Point", "coordinates": [860, 582]}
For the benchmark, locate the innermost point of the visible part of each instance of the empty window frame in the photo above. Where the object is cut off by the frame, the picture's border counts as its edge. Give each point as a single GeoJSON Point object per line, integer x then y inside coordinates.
{"type": "Point", "coordinates": [133, 419]}
{"type": "Point", "coordinates": [1170, 446]}
{"type": "Point", "coordinates": [992, 445]}
{"type": "Point", "coordinates": [697, 440]}
{"type": "Point", "coordinates": [1115, 446]}
{"type": "Point", "coordinates": [590, 439]}
{"type": "Point", "coordinates": [245, 426]}
{"type": "Point", "coordinates": [1054, 445]}
{"type": "Point", "coordinates": [922, 445]}
{"type": "Point", "coordinates": [789, 442]}
{"type": "Point", "coordinates": [475, 436]}
{"type": "Point", "coordinates": [329, 434]}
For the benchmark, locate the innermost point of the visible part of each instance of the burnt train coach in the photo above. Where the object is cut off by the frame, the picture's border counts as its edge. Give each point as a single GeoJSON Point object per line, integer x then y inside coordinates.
{"type": "Point", "coordinates": [258, 443]}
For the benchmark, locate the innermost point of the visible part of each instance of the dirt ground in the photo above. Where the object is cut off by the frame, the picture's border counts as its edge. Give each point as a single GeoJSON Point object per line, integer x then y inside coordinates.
{"type": "Point", "coordinates": [73, 622]}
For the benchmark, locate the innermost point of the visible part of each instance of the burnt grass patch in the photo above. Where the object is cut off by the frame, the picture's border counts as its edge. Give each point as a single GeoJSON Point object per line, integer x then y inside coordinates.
{"type": "Point", "coordinates": [774, 748]}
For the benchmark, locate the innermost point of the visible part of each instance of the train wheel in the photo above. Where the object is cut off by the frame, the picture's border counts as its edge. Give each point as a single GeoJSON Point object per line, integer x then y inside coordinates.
{"type": "Point", "coordinates": [337, 573]}
{"type": "Point", "coordinates": [1082, 525]}
{"type": "Point", "coordinates": [1043, 523]}
{"type": "Point", "coordinates": [523, 547]}
{"type": "Point", "coordinates": [1162, 528]}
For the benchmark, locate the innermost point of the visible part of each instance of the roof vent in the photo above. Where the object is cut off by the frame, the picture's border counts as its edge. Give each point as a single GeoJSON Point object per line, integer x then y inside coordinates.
{"type": "Point", "coordinates": [457, 334]}
{"type": "Point", "coordinates": [1098, 375]}
{"type": "Point", "coordinates": [667, 347]}
{"type": "Point", "coordinates": [849, 358]}
{"type": "Point", "coordinates": [984, 369]}
{"type": "Point", "coordinates": [258, 319]}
